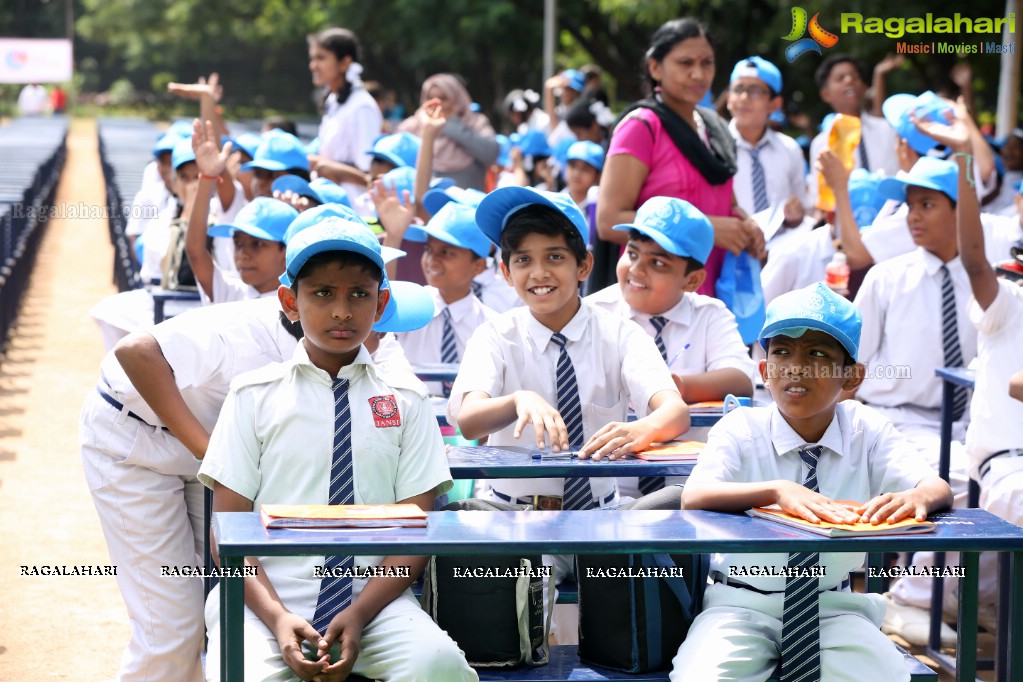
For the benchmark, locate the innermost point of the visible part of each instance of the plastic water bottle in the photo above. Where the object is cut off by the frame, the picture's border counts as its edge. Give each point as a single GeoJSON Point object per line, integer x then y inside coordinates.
{"type": "Point", "coordinates": [836, 274]}
{"type": "Point", "coordinates": [842, 141]}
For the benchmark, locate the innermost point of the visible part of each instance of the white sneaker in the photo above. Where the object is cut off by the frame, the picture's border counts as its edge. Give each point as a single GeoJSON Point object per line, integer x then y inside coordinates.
{"type": "Point", "coordinates": [987, 614]}
{"type": "Point", "coordinates": [912, 624]}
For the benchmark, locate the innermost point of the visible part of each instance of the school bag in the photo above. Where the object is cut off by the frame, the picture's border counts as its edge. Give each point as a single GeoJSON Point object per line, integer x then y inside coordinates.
{"type": "Point", "coordinates": [496, 621]}
{"type": "Point", "coordinates": [177, 271]}
{"type": "Point", "coordinates": [738, 287]}
{"type": "Point", "coordinates": [636, 624]}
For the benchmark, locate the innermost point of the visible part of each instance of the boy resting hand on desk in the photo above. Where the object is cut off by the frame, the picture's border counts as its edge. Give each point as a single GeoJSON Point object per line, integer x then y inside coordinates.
{"type": "Point", "coordinates": [803, 453]}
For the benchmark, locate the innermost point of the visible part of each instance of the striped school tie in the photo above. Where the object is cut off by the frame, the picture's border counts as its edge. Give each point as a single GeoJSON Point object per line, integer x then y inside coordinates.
{"type": "Point", "coordinates": [950, 340]}
{"type": "Point", "coordinates": [800, 621]}
{"type": "Point", "coordinates": [759, 183]}
{"type": "Point", "coordinates": [658, 322]}
{"type": "Point", "coordinates": [448, 348]}
{"type": "Point", "coordinates": [336, 592]}
{"type": "Point", "coordinates": [864, 161]}
{"type": "Point", "coordinates": [477, 289]}
{"type": "Point", "coordinates": [577, 493]}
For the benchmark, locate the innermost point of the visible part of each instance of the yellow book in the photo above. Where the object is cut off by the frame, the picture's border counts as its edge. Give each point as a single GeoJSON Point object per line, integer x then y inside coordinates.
{"type": "Point", "coordinates": [843, 530]}
{"type": "Point", "coordinates": [672, 451]}
{"type": "Point", "coordinates": [342, 516]}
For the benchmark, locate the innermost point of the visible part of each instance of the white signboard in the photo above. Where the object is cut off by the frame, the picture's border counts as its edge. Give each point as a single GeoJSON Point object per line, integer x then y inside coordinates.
{"type": "Point", "coordinates": [32, 60]}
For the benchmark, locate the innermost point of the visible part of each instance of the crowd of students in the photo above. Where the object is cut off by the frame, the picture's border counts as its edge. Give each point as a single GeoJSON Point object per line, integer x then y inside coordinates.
{"type": "Point", "coordinates": [299, 388]}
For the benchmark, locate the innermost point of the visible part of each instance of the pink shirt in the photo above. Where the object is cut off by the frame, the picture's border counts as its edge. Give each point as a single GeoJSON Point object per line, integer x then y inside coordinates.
{"type": "Point", "coordinates": [672, 175]}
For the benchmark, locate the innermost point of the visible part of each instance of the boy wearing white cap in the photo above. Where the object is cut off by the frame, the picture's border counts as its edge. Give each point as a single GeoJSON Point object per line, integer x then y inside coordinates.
{"type": "Point", "coordinates": [803, 452]}
{"type": "Point", "coordinates": [327, 426]}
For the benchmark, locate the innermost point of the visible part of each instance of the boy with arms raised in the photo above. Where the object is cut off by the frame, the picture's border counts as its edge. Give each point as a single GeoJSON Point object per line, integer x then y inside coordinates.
{"type": "Point", "coordinates": [328, 426]}
{"type": "Point", "coordinates": [803, 452]}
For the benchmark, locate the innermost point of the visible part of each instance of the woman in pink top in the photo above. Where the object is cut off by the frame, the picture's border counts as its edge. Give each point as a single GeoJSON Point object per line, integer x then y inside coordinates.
{"type": "Point", "coordinates": [643, 160]}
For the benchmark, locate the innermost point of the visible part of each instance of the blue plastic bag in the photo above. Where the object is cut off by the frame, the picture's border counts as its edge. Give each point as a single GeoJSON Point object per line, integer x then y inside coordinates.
{"type": "Point", "coordinates": [738, 287]}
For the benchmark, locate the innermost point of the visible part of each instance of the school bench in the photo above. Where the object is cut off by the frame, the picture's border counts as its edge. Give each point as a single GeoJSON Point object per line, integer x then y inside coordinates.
{"type": "Point", "coordinates": [969, 531]}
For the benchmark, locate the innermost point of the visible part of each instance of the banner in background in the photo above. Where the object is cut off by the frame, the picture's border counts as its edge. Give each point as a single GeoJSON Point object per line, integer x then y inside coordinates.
{"type": "Point", "coordinates": [32, 60]}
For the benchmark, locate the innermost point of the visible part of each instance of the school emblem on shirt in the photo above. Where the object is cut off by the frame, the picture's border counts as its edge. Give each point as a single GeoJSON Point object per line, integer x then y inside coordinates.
{"type": "Point", "coordinates": [385, 411]}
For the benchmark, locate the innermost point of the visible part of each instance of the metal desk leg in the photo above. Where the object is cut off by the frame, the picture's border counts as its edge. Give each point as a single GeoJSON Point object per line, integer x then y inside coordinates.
{"type": "Point", "coordinates": [966, 651]}
{"type": "Point", "coordinates": [1004, 614]}
{"type": "Point", "coordinates": [1015, 635]}
{"type": "Point", "coordinates": [232, 619]}
{"type": "Point", "coordinates": [944, 462]}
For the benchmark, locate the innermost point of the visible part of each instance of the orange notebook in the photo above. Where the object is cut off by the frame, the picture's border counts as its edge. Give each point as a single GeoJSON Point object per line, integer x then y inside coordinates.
{"type": "Point", "coordinates": [676, 450]}
{"type": "Point", "coordinates": [842, 530]}
{"type": "Point", "coordinates": [342, 516]}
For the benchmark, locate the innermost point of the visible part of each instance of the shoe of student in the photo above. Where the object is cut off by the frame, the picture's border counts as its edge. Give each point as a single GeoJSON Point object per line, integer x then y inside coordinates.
{"type": "Point", "coordinates": [912, 624]}
{"type": "Point", "coordinates": [987, 614]}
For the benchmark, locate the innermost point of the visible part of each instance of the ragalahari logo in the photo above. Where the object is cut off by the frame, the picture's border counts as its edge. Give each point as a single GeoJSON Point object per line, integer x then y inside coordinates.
{"type": "Point", "coordinates": [818, 36]}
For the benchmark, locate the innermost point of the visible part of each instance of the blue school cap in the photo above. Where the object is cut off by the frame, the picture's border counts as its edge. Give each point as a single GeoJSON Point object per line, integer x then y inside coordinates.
{"type": "Point", "coordinates": [314, 146]}
{"type": "Point", "coordinates": [331, 234]}
{"type": "Point", "coordinates": [576, 79]}
{"type": "Point", "coordinates": [404, 178]}
{"type": "Point", "coordinates": [279, 151]}
{"type": "Point", "coordinates": [411, 307]}
{"type": "Point", "coordinates": [166, 143]}
{"type": "Point", "coordinates": [927, 172]}
{"type": "Point", "coordinates": [504, 146]}
{"type": "Point", "coordinates": [497, 207]}
{"type": "Point", "coordinates": [436, 198]}
{"type": "Point", "coordinates": [454, 224]}
{"type": "Point", "coordinates": [1019, 187]}
{"type": "Point", "coordinates": [758, 67]}
{"type": "Point", "coordinates": [926, 107]}
{"type": "Point", "coordinates": [320, 190]}
{"type": "Point", "coordinates": [246, 143]}
{"type": "Point", "coordinates": [590, 152]}
{"type": "Point", "coordinates": [318, 214]}
{"type": "Point", "coordinates": [814, 307]}
{"type": "Point", "coordinates": [263, 217]}
{"type": "Point", "coordinates": [864, 196]}
{"type": "Point", "coordinates": [675, 225]}
{"type": "Point", "coordinates": [532, 143]}
{"type": "Point", "coordinates": [181, 128]}
{"type": "Point", "coordinates": [182, 152]}
{"type": "Point", "coordinates": [399, 149]}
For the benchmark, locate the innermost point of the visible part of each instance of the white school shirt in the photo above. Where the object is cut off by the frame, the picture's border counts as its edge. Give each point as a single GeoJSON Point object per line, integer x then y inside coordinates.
{"type": "Point", "coordinates": [798, 263]}
{"type": "Point", "coordinates": [228, 287]}
{"type": "Point", "coordinates": [273, 445]}
{"type": "Point", "coordinates": [878, 137]}
{"type": "Point", "coordinates": [616, 364]}
{"type": "Point", "coordinates": [784, 168]}
{"type": "Point", "coordinates": [495, 292]}
{"type": "Point", "coordinates": [864, 457]}
{"type": "Point", "coordinates": [206, 348]}
{"type": "Point", "coordinates": [900, 301]}
{"type": "Point", "coordinates": [889, 235]}
{"type": "Point", "coordinates": [347, 132]}
{"type": "Point", "coordinates": [1005, 202]}
{"type": "Point", "coordinates": [422, 346]}
{"type": "Point", "coordinates": [147, 205]}
{"type": "Point", "coordinates": [701, 321]}
{"type": "Point", "coordinates": [996, 420]}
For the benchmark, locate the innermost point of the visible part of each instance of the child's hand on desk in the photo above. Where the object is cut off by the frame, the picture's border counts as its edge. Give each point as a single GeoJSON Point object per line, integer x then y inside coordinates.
{"type": "Point", "coordinates": [345, 629]}
{"type": "Point", "coordinates": [531, 408]}
{"type": "Point", "coordinates": [291, 631]}
{"type": "Point", "coordinates": [800, 501]}
{"type": "Point", "coordinates": [892, 507]}
{"type": "Point", "coordinates": [617, 439]}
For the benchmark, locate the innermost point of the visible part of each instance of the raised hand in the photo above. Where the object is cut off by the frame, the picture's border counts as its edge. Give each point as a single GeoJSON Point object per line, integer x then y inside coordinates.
{"type": "Point", "coordinates": [209, 157]}
{"type": "Point", "coordinates": [203, 88]}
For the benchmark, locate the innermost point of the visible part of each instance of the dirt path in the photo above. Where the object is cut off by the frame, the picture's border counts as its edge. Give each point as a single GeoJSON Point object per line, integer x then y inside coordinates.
{"type": "Point", "coordinates": [56, 627]}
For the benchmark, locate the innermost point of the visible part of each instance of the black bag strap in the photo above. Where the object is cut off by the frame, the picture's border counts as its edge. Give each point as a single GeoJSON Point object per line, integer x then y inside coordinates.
{"type": "Point", "coordinates": [716, 164]}
{"type": "Point", "coordinates": [691, 603]}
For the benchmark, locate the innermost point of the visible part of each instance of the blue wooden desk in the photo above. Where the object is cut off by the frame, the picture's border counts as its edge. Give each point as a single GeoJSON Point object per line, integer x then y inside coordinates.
{"type": "Point", "coordinates": [436, 371]}
{"type": "Point", "coordinates": [162, 296]}
{"type": "Point", "coordinates": [970, 531]}
{"type": "Point", "coordinates": [440, 409]}
{"type": "Point", "coordinates": [484, 461]}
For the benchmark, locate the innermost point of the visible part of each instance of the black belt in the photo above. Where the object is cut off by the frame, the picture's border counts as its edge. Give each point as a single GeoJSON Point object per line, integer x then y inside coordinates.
{"type": "Point", "coordinates": [719, 577]}
{"type": "Point", "coordinates": [110, 400]}
{"type": "Point", "coordinates": [985, 466]}
{"type": "Point", "coordinates": [536, 501]}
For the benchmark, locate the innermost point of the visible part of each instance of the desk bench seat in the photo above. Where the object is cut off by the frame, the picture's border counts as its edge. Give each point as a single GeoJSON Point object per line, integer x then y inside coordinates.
{"type": "Point", "coordinates": [565, 666]}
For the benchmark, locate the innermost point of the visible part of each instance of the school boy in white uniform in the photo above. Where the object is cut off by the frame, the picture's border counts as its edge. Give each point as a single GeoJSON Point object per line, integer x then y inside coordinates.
{"type": "Point", "coordinates": [276, 442]}
{"type": "Point", "coordinates": [455, 252]}
{"type": "Point", "coordinates": [802, 453]}
{"type": "Point", "coordinates": [507, 384]}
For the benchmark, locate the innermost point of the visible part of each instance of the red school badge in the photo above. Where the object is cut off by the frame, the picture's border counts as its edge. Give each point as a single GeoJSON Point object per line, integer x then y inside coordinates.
{"type": "Point", "coordinates": [385, 411]}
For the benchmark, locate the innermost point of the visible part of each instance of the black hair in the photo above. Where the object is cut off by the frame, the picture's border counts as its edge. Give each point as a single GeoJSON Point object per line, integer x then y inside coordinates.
{"type": "Point", "coordinates": [579, 114]}
{"type": "Point", "coordinates": [692, 265]}
{"type": "Point", "coordinates": [300, 172]}
{"type": "Point", "coordinates": [543, 220]}
{"type": "Point", "coordinates": [280, 123]}
{"type": "Point", "coordinates": [342, 43]}
{"type": "Point", "coordinates": [294, 329]}
{"type": "Point", "coordinates": [833, 60]}
{"type": "Point", "coordinates": [343, 259]}
{"type": "Point", "coordinates": [665, 38]}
